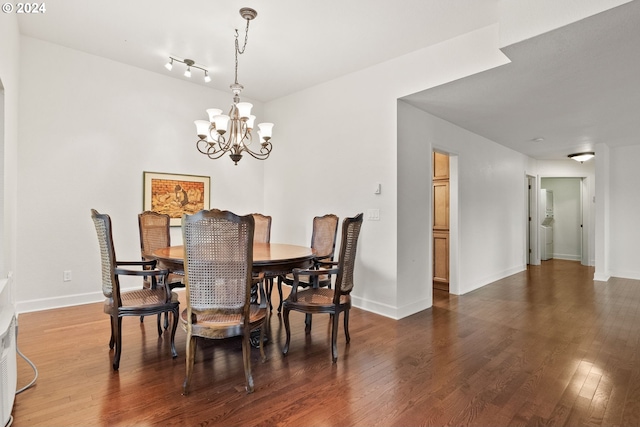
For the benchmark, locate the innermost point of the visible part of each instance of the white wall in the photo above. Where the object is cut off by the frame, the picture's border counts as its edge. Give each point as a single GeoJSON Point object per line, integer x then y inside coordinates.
{"type": "Point", "coordinates": [491, 204]}
{"type": "Point", "coordinates": [341, 138]}
{"type": "Point", "coordinates": [89, 127]}
{"type": "Point", "coordinates": [9, 75]}
{"type": "Point", "coordinates": [624, 212]}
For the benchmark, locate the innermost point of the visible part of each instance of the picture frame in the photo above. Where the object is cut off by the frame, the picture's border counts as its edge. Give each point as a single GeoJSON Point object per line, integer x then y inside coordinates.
{"type": "Point", "coordinates": [175, 194]}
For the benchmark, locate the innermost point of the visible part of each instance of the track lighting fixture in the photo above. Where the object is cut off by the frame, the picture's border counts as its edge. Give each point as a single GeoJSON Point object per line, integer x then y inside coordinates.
{"type": "Point", "coordinates": [190, 63]}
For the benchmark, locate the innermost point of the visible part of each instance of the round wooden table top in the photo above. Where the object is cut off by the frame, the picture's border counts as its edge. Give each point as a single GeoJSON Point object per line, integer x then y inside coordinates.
{"type": "Point", "coordinates": [263, 253]}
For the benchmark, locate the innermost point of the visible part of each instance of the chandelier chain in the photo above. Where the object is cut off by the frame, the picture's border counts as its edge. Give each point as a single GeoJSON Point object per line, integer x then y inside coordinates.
{"type": "Point", "coordinates": [241, 51]}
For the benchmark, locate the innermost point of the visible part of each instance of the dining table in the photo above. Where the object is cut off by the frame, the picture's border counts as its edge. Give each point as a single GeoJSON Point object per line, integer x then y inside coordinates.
{"type": "Point", "coordinates": [272, 259]}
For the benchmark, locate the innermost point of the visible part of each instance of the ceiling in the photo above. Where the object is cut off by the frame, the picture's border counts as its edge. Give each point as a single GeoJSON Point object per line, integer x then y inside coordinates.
{"type": "Point", "coordinates": [574, 87]}
{"type": "Point", "coordinates": [293, 44]}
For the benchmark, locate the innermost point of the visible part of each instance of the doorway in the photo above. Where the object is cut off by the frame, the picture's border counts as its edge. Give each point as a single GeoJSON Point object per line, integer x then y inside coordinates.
{"type": "Point", "coordinates": [569, 225]}
{"type": "Point", "coordinates": [441, 222]}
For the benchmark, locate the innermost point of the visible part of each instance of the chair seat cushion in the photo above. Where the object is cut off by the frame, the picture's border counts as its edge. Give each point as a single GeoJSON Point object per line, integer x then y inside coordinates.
{"type": "Point", "coordinates": [227, 324]}
{"type": "Point", "coordinates": [317, 297]}
{"type": "Point", "coordinates": [141, 298]}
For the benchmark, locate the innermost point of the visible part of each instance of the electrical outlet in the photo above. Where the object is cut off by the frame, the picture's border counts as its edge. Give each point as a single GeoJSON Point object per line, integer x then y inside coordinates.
{"type": "Point", "coordinates": [66, 276]}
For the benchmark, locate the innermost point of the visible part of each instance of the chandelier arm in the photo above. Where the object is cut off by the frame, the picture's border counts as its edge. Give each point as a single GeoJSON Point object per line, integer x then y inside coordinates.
{"type": "Point", "coordinates": [246, 136]}
{"type": "Point", "coordinates": [211, 150]}
{"type": "Point", "coordinates": [219, 140]}
{"type": "Point", "coordinates": [265, 150]}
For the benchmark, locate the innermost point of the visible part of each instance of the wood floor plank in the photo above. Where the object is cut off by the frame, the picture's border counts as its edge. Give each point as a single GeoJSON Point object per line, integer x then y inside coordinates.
{"type": "Point", "coordinates": [547, 346]}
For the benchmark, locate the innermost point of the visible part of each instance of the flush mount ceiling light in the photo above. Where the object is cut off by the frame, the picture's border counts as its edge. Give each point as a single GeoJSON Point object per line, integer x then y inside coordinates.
{"type": "Point", "coordinates": [582, 157]}
{"type": "Point", "coordinates": [190, 63]}
{"type": "Point", "coordinates": [231, 133]}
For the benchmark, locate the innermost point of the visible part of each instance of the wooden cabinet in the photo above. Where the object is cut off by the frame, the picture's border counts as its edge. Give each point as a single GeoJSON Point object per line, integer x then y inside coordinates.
{"type": "Point", "coordinates": [441, 221]}
{"type": "Point", "coordinates": [441, 205]}
{"type": "Point", "coordinates": [441, 260]}
{"type": "Point", "coordinates": [440, 166]}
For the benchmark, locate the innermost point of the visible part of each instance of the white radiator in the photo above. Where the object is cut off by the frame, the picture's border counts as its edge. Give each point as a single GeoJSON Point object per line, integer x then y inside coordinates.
{"type": "Point", "coordinates": [8, 367]}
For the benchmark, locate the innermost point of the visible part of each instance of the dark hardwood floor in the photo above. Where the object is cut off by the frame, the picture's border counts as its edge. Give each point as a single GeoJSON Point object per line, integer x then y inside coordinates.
{"type": "Point", "coordinates": [543, 347]}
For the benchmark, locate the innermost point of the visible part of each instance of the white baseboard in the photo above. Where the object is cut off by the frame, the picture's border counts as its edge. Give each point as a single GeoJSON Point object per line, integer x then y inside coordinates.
{"type": "Point", "coordinates": [388, 310]}
{"type": "Point", "coordinates": [63, 301]}
{"type": "Point", "coordinates": [568, 257]}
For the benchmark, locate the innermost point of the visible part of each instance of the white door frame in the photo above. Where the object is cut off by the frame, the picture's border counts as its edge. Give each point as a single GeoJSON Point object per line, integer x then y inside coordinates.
{"type": "Point", "coordinates": [584, 210]}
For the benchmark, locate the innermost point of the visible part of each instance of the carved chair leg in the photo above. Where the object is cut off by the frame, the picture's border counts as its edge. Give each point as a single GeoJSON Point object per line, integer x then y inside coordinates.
{"type": "Point", "coordinates": [118, 339]}
{"type": "Point", "coordinates": [280, 293]}
{"type": "Point", "coordinates": [112, 340]}
{"type": "Point", "coordinates": [334, 337]}
{"type": "Point", "coordinates": [285, 317]}
{"type": "Point", "coordinates": [174, 353]}
{"type": "Point", "coordinates": [190, 358]}
{"type": "Point", "coordinates": [159, 322]}
{"type": "Point", "coordinates": [246, 358]}
{"type": "Point", "coordinates": [269, 286]}
{"type": "Point", "coordinates": [346, 325]}
{"type": "Point", "coordinates": [307, 323]}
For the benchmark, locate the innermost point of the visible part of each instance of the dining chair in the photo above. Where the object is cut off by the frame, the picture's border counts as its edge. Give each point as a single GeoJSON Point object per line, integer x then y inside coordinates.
{"type": "Point", "coordinates": [218, 261]}
{"type": "Point", "coordinates": [154, 300]}
{"type": "Point", "coordinates": [262, 234]}
{"type": "Point", "coordinates": [323, 244]}
{"type": "Point", "coordinates": [313, 300]}
{"type": "Point", "coordinates": [154, 234]}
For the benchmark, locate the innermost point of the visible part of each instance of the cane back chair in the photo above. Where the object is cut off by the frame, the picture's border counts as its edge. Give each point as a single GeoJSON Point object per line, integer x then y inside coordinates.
{"type": "Point", "coordinates": [323, 244]}
{"type": "Point", "coordinates": [218, 259]}
{"type": "Point", "coordinates": [262, 234]}
{"type": "Point", "coordinates": [313, 300]}
{"type": "Point", "coordinates": [262, 231]}
{"type": "Point", "coordinates": [154, 234]}
{"type": "Point", "coordinates": [154, 300]}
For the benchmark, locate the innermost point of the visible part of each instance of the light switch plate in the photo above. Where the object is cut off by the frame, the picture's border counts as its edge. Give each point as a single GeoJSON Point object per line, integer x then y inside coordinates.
{"type": "Point", "coordinates": [373, 214]}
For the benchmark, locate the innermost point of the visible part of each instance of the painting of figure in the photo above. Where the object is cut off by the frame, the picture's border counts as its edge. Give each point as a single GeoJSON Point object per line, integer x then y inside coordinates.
{"type": "Point", "coordinates": [175, 195]}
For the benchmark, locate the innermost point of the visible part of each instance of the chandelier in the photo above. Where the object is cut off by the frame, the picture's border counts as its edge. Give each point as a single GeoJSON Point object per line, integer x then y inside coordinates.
{"type": "Point", "coordinates": [232, 133]}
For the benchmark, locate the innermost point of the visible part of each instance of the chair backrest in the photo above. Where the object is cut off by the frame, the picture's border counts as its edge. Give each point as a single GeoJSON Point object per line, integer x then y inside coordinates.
{"type": "Point", "coordinates": [323, 239]}
{"type": "Point", "coordinates": [262, 232]}
{"type": "Point", "coordinates": [218, 259]}
{"type": "Point", "coordinates": [346, 261]}
{"type": "Point", "coordinates": [110, 286]}
{"type": "Point", "coordinates": [154, 231]}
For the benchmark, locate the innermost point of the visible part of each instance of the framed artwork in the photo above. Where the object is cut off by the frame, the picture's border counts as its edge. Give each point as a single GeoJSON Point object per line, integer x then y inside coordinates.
{"type": "Point", "coordinates": [174, 194]}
